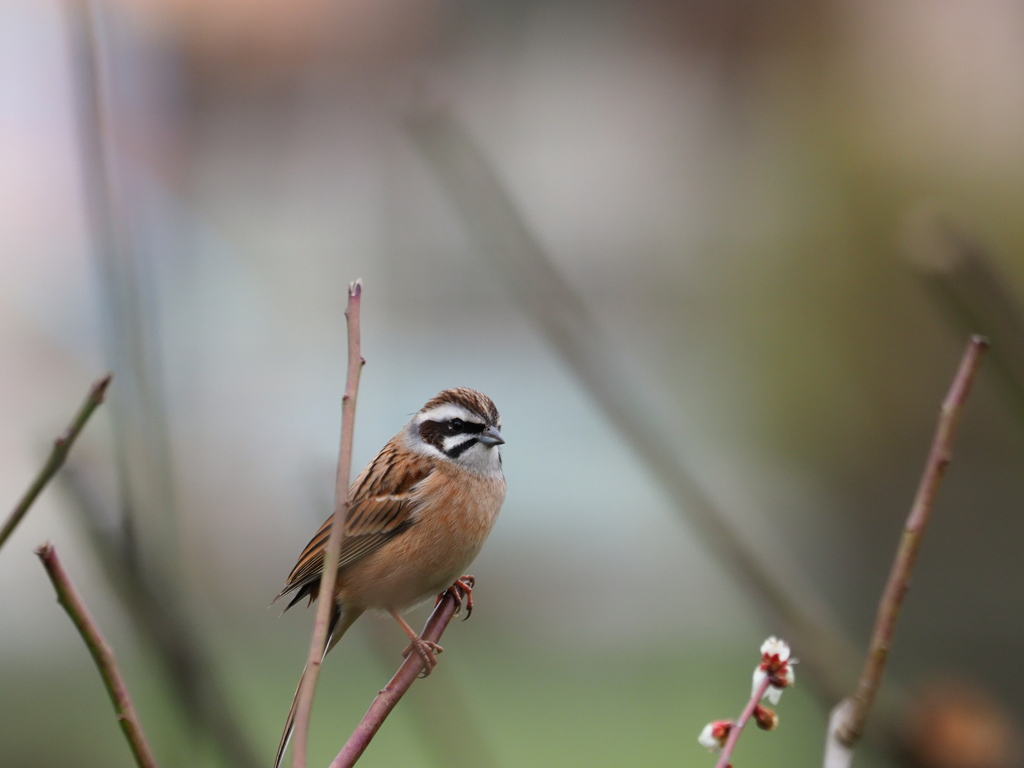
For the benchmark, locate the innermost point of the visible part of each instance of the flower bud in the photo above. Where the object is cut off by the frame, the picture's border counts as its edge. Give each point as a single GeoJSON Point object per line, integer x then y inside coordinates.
{"type": "Point", "coordinates": [765, 718]}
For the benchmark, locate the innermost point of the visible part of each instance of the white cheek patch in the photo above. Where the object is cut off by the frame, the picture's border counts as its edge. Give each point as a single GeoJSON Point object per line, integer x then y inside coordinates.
{"type": "Point", "coordinates": [416, 445]}
{"type": "Point", "coordinates": [456, 440]}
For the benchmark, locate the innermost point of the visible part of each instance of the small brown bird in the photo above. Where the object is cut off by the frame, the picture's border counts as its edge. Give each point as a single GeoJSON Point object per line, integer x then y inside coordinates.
{"type": "Point", "coordinates": [418, 515]}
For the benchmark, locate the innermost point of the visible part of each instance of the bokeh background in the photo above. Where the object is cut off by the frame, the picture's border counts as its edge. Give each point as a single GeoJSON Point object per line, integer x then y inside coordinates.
{"type": "Point", "coordinates": [782, 220]}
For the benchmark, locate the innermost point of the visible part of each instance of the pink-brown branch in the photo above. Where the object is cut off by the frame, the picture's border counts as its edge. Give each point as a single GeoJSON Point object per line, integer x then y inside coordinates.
{"type": "Point", "coordinates": [740, 724]}
{"type": "Point", "coordinates": [102, 655]}
{"type": "Point", "coordinates": [848, 729]}
{"type": "Point", "coordinates": [397, 686]}
{"type": "Point", "coordinates": [334, 541]}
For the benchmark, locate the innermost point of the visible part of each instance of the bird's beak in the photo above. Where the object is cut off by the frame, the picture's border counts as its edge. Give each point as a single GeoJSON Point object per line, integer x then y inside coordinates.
{"type": "Point", "coordinates": [491, 436]}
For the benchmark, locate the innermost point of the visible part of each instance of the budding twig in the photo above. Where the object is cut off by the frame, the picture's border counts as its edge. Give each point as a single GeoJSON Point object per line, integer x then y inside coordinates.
{"type": "Point", "coordinates": [397, 686]}
{"type": "Point", "coordinates": [102, 655]}
{"type": "Point", "coordinates": [737, 728]}
{"type": "Point", "coordinates": [334, 541]}
{"type": "Point", "coordinates": [59, 452]}
{"type": "Point", "coordinates": [847, 724]}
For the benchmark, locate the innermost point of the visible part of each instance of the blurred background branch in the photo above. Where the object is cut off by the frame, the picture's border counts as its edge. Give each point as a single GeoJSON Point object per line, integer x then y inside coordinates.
{"type": "Point", "coordinates": [527, 272]}
{"type": "Point", "coordinates": [153, 607]}
{"type": "Point", "coordinates": [139, 554]}
{"type": "Point", "coordinates": [961, 275]}
{"type": "Point", "coordinates": [127, 300]}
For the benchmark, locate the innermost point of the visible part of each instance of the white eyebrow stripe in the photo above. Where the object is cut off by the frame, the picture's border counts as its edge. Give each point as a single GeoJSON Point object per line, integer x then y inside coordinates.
{"type": "Point", "coordinates": [446, 412]}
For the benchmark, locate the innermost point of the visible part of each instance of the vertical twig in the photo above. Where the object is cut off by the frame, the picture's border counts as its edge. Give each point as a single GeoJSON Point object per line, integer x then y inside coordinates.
{"type": "Point", "coordinates": [849, 727]}
{"type": "Point", "coordinates": [396, 687]}
{"type": "Point", "coordinates": [102, 655]}
{"type": "Point", "coordinates": [58, 454]}
{"type": "Point", "coordinates": [334, 541]}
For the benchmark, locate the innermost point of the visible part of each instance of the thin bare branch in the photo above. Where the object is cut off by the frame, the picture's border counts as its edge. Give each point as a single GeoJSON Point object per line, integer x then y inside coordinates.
{"type": "Point", "coordinates": [849, 727]}
{"type": "Point", "coordinates": [102, 655]}
{"type": "Point", "coordinates": [397, 686]}
{"type": "Point", "coordinates": [334, 541]}
{"type": "Point", "coordinates": [58, 454]}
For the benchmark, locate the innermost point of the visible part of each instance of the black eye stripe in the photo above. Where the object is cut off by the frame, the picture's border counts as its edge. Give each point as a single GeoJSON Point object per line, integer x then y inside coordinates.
{"type": "Point", "coordinates": [435, 432]}
{"type": "Point", "coordinates": [458, 450]}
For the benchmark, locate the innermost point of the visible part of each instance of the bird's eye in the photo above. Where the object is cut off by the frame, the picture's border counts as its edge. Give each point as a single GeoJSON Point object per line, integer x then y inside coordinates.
{"type": "Point", "coordinates": [456, 425]}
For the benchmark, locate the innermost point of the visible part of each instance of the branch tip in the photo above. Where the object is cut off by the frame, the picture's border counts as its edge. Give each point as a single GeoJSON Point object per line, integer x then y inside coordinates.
{"type": "Point", "coordinates": [99, 389]}
{"type": "Point", "coordinates": [58, 453]}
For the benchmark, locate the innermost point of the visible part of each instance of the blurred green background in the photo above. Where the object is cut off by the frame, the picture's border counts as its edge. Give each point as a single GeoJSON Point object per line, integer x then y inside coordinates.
{"type": "Point", "coordinates": [747, 197]}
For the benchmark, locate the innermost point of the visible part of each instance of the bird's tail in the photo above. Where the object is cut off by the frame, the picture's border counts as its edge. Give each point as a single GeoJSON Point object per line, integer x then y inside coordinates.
{"type": "Point", "coordinates": [341, 620]}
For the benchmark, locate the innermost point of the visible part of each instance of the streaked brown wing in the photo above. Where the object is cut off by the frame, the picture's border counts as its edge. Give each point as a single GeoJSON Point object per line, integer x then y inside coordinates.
{"type": "Point", "coordinates": [383, 506]}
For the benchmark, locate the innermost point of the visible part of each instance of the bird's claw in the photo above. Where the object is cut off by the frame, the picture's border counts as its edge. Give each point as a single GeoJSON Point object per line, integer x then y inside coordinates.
{"type": "Point", "coordinates": [427, 651]}
{"type": "Point", "coordinates": [461, 589]}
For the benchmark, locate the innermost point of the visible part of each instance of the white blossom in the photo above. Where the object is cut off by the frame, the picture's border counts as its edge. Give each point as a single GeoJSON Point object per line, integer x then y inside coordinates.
{"type": "Point", "coordinates": [773, 646]}
{"type": "Point", "coordinates": [714, 734]}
